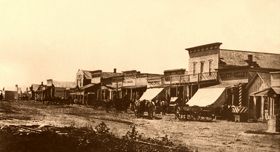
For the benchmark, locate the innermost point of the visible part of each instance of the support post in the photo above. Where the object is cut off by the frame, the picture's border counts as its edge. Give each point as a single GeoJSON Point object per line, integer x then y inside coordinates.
{"type": "Point", "coordinates": [262, 109]}
{"type": "Point", "coordinates": [254, 107]}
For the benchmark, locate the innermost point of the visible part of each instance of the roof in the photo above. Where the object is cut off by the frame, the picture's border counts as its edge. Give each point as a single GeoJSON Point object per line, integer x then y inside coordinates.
{"type": "Point", "coordinates": [87, 74]}
{"type": "Point", "coordinates": [35, 87]}
{"type": "Point", "coordinates": [110, 74]}
{"type": "Point", "coordinates": [276, 90]}
{"type": "Point", "coordinates": [240, 58]}
{"type": "Point", "coordinates": [216, 44]}
{"type": "Point", "coordinates": [64, 84]}
{"type": "Point", "coordinates": [174, 70]}
{"type": "Point", "coordinates": [89, 86]}
{"type": "Point", "coordinates": [266, 91]}
{"type": "Point", "coordinates": [265, 77]}
{"type": "Point", "coordinates": [228, 83]}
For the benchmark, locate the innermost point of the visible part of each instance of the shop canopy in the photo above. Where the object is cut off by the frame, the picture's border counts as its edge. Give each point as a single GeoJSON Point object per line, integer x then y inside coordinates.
{"type": "Point", "coordinates": [173, 99]}
{"type": "Point", "coordinates": [276, 90]}
{"type": "Point", "coordinates": [150, 94]}
{"type": "Point", "coordinates": [267, 91]}
{"type": "Point", "coordinates": [90, 86]}
{"type": "Point", "coordinates": [204, 97]}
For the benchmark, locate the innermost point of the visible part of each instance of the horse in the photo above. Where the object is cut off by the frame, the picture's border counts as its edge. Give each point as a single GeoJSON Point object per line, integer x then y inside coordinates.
{"type": "Point", "coordinates": [163, 107]}
{"type": "Point", "coordinates": [144, 106]}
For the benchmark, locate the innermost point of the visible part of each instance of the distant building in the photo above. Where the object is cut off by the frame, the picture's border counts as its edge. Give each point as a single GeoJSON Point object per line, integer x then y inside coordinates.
{"type": "Point", "coordinates": [90, 89]}
{"type": "Point", "coordinates": [58, 89]}
{"type": "Point", "coordinates": [33, 89]}
{"type": "Point", "coordinates": [83, 77]}
{"type": "Point", "coordinates": [96, 86]}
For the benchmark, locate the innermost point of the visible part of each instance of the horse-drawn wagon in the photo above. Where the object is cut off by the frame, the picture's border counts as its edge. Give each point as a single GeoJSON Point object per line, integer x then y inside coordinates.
{"type": "Point", "coordinates": [146, 103]}
{"type": "Point", "coordinates": [195, 113]}
{"type": "Point", "coordinates": [204, 105]}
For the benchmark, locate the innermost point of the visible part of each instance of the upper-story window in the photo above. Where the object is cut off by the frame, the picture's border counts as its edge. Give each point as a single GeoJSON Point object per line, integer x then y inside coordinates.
{"type": "Point", "coordinates": [201, 66]}
{"type": "Point", "coordinates": [210, 66]}
{"type": "Point", "coordinates": [194, 67]}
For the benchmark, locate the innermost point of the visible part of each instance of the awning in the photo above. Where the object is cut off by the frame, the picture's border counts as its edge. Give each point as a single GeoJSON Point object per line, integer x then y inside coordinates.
{"type": "Point", "coordinates": [213, 97]}
{"type": "Point", "coordinates": [134, 87]}
{"type": "Point", "coordinates": [173, 99]}
{"type": "Point", "coordinates": [89, 86]}
{"type": "Point", "coordinates": [228, 83]}
{"type": "Point", "coordinates": [265, 92]}
{"type": "Point", "coordinates": [276, 90]}
{"type": "Point", "coordinates": [150, 94]}
{"type": "Point", "coordinates": [262, 92]}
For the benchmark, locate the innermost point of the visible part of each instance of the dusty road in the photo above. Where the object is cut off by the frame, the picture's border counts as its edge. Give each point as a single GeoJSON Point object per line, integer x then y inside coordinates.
{"type": "Point", "coordinates": [204, 136]}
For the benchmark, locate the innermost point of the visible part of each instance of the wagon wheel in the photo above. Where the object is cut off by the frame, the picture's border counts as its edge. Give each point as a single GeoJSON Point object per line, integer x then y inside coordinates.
{"type": "Point", "coordinates": [186, 116]}
{"type": "Point", "coordinates": [198, 117]}
{"type": "Point", "coordinates": [191, 116]}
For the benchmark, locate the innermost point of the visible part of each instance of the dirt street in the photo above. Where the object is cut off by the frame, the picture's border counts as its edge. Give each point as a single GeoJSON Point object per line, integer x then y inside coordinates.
{"type": "Point", "coordinates": [203, 136]}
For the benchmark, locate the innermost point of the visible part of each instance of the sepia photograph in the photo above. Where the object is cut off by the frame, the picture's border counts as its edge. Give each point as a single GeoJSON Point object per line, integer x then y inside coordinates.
{"type": "Point", "coordinates": [139, 76]}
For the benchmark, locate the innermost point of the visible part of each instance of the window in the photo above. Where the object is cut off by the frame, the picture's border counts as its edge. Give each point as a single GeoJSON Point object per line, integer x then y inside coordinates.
{"type": "Point", "coordinates": [210, 66]}
{"type": "Point", "coordinates": [201, 66]}
{"type": "Point", "coordinates": [194, 67]}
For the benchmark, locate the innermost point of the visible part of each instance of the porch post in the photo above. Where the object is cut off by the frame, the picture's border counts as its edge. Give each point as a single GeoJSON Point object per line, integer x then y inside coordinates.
{"type": "Point", "coordinates": [262, 108]}
{"type": "Point", "coordinates": [232, 96]}
{"type": "Point", "coordinates": [130, 93]}
{"type": "Point", "coordinates": [254, 107]}
{"type": "Point", "coordinates": [270, 107]}
{"type": "Point", "coordinates": [273, 106]}
{"type": "Point", "coordinates": [83, 97]}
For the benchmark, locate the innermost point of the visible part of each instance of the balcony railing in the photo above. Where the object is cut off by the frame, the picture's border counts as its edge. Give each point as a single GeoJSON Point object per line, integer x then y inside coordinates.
{"type": "Point", "coordinates": [180, 79]}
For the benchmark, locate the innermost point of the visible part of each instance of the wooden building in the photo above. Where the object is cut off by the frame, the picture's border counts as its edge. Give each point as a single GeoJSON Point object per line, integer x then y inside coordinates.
{"type": "Point", "coordinates": [209, 65]}
{"type": "Point", "coordinates": [33, 90]}
{"type": "Point", "coordinates": [264, 91]}
{"type": "Point", "coordinates": [58, 90]}
{"type": "Point", "coordinates": [91, 86]}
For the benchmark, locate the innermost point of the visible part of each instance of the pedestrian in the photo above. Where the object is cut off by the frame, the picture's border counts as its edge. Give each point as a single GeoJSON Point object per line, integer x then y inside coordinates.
{"type": "Point", "coordinates": [107, 104]}
{"type": "Point", "coordinates": [1, 96]}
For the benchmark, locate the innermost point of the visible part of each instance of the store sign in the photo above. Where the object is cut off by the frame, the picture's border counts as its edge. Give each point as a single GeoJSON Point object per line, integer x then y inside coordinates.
{"type": "Point", "coordinates": [175, 79]}
{"type": "Point", "coordinates": [117, 84]}
{"type": "Point", "coordinates": [95, 80]}
{"type": "Point", "coordinates": [141, 81]}
{"type": "Point", "coordinates": [128, 82]}
{"type": "Point", "coordinates": [154, 83]}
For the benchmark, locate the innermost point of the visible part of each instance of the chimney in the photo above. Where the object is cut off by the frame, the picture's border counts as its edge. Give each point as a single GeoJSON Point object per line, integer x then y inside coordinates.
{"type": "Point", "coordinates": [42, 83]}
{"type": "Point", "coordinates": [250, 58]}
{"type": "Point", "coordinates": [115, 70]}
{"type": "Point", "coordinates": [50, 82]}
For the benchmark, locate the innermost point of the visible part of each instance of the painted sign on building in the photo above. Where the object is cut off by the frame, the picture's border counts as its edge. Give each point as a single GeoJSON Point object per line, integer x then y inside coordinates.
{"type": "Point", "coordinates": [117, 84]}
{"type": "Point", "coordinates": [154, 83]}
{"type": "Point", "coordinates": [175, 79]}
{"type": "Point", "coordinates": [141, 81]}
{"type": "Point", "coordinates": [129, 82]}
{"type": "Point", "coordinates": [96, 80]}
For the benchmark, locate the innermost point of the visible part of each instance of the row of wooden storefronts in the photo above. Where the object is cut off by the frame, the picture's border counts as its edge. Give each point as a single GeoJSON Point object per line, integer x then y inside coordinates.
{"type": "Point", "coordinates": [245, 81]}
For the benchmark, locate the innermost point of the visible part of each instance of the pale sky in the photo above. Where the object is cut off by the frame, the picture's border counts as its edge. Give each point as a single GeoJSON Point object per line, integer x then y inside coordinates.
{"type": "Point", "coordinates": [42, 39]}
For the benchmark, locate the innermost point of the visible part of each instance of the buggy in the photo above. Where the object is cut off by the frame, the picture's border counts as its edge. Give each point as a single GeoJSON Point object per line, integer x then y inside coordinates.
{"type": "Point", "coordinates": [196, 113]}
